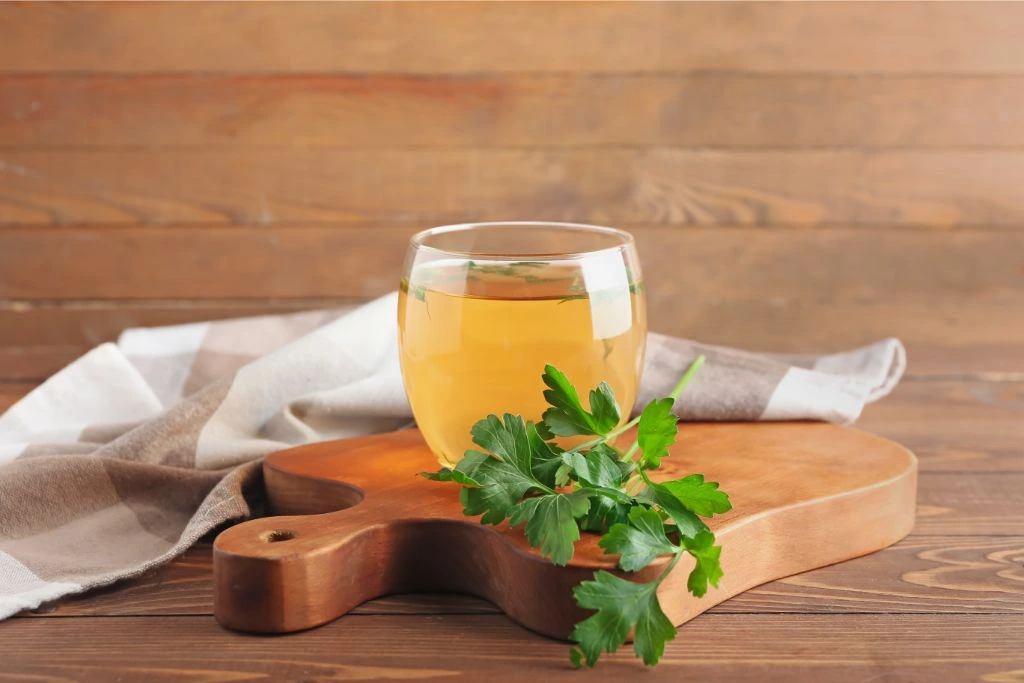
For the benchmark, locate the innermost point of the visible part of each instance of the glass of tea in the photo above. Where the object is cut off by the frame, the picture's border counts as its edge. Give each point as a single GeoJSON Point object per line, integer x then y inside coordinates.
{"type": "Point", "coordinates": [483, 307]}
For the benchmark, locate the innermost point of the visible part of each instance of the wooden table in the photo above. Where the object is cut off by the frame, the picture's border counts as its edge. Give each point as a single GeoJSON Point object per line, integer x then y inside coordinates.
{"type": "Point", "coordinates": [945, 604]}
{"type": "Point", "coordinates": [799, 177]}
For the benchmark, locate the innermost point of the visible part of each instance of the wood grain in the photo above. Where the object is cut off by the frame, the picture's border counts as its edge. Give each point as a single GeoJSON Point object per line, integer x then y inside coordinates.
{"type": "Point", "coordinates": [514, 37]}
{"type": "Point", "coordinates": [834, 265]}
{"type": "Point", "coordinates": [36, 362]}
{"type": "Point", "coordinates": [975, 504]}
{"type": "Point", "coordinates": [12, 392]}
{"type": "Point", "coordinates": [943, 339]}
{"type": "Point", "coordinates": [423, 186]}
{"type": "Point", "coordinates": [704, 109]}
{"type": "Point", "coordinates": [955, 426]}
{"type": "Point", "coordinates": [920, 574]}
{"type": "Point", "coordinates": [772, 648]}
{"type": "Point", "coordinates": [185, 587]}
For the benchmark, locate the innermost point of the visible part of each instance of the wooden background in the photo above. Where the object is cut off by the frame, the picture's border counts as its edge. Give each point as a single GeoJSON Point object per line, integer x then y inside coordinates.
{"type": "Point", "coordinates": [800, 177]}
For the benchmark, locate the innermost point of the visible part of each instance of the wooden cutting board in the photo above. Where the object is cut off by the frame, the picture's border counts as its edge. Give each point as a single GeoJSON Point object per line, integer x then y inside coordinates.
{"type": "Point", "coordinates": [356, 523]}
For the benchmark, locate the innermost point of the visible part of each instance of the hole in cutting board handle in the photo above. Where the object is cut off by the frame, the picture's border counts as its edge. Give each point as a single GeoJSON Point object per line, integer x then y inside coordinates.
{"type": "Point", "coordinates": [277, 535]}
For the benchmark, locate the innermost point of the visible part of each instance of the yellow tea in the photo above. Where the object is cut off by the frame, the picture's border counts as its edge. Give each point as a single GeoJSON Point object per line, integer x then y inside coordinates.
{"type": "Point", "coordinates": [475, 339]}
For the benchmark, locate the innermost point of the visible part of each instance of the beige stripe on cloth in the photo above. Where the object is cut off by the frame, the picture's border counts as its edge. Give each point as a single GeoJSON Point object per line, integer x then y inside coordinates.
{"type": "Point", "coordinates": [129, 455]}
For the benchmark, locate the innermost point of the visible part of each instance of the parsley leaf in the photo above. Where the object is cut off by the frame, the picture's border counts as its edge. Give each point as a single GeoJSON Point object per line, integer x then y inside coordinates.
{"type": "Point", "coordinates": [640, 541]}
{"type": "Point", "coordinates": [551, 522]}
{"type": "Point", "coordinates": [601, 477]}
{"type": "Point", "coordinates": [596, 467]}
{"type": "Point", "coordinates": [708, 568]}
{"type": "Point", "coordinates": [621, 606]}
{"type": "Point", "coordinates": [688, 523]}
{"type": "Point", "coordinates": [653, 630]}
{"type": "Point", "coordinates": [447, 474]}
{"type": "Point", "coordinates": [604, 407]}
{"type": "Point", "coordinates": [562, 475]}
{"type": "Point", "coordinates": [501, 486]}
{"type": "Point", "coordinates": [543, 432]}
{"type": "Point", "coordinates": [699, 496]}
{"type": "Point", "coordinates": [545, 458]}
{"type": "Point", "coordinates": [604, 513]}
{"type": "Point", "coordinates": [567, 417]}
{"type": "Point", "coordinates": [656, 432]}
{"type": "Point", "coordinates": [521, 462]}
{"type": "Point", "coordinates": [509, 440]}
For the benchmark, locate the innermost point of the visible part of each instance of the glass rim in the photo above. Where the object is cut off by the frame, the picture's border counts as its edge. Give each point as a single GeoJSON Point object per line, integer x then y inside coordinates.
{"type": "Point", "coordinates": [626, 240]}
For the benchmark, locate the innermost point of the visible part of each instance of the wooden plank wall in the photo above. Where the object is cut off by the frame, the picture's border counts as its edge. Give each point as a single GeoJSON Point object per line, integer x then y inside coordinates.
{"type": "Point", "coordinates": [799, 176]}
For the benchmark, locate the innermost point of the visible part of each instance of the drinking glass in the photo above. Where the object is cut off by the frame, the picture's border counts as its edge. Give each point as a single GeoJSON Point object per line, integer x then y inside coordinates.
{"type": "Point", "coordinates": [483, 307]}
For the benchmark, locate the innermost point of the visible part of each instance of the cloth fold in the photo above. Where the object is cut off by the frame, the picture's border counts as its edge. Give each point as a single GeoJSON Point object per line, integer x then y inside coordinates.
{"type": "Point", "coordinates": [125, 458]}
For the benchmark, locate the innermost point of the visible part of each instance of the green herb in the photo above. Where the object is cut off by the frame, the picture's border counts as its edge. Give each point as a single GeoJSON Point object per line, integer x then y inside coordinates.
{"type": "Point", "coordinates": [566, 416]}
{"type": "Point", "coordinates": [512, 269]}
{"type": "Point", "coordinates": [413, 290]}
{"type": "Point", "coordinates": [609, 346]}
{"type": "Point", "coordinates": [523, 476]}
{"type": "Point", "coordinates": [579, 291]}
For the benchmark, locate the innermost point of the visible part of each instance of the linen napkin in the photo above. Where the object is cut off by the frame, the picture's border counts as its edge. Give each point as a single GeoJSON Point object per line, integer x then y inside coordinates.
{"type": "Point", "coordinates": [129, 455]}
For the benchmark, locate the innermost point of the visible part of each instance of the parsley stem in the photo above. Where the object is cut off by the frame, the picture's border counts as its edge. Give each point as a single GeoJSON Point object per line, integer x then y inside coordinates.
{"type": "Point", "coordinates": [587, 444]}
{"type": "Point", "coordinates": [624, 428]}
{"type": "Point", "coordinates": [643, 475]}
{"type": "Point", "coordinates": [681, 385]}
{"type": "Point", "coordinates": [628, 455]}
{"type": "Point", "coordinates": [687, 377]}
{"type": "Point", "coordinates": [607, 437]}
{"type": "Point", "coordinates": [671, 565]}
{"type": "Point", "coordinates": [685, 380]}
{"type": "Point", "coordinates": [639, 478]}
{"type": "Point", "coordinates": [631, 486]}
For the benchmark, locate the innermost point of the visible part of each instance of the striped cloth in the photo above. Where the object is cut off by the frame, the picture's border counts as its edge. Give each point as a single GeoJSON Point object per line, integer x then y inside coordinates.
{"type": "Point", "coordinates": [129, 455]}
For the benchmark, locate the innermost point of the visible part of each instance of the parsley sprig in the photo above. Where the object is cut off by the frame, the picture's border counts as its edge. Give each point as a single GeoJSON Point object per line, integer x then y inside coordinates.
{"type": "Point", "coordinates": [522, 475]}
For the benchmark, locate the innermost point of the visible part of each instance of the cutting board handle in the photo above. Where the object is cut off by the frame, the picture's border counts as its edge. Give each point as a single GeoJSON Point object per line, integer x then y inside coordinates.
{"type": "Point", "coordinates": [269, 572]}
